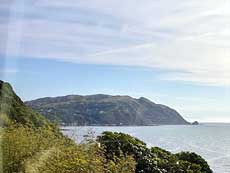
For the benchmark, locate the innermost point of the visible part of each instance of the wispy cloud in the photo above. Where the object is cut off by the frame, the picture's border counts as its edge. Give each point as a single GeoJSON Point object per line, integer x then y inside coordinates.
{"type": "Point", "coordinates": [187, 36]}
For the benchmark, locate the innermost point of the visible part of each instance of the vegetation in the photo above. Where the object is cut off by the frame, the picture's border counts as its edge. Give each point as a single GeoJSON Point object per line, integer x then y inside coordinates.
{"type": "Point", "coordinates": [12, 109]}
{"type": "Point", "coordinates": [29, 150]}
{"type": "Point", "coordinates": [196, 159]}
{"type": "Point", "coordinates": [148, 160]}
{"type": "Point", "coordinates": [31, 144]}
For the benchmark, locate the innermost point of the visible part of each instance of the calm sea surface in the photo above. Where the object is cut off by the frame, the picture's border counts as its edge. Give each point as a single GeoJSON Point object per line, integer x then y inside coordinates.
{"type": "Point", "coordinates": [212, 141]}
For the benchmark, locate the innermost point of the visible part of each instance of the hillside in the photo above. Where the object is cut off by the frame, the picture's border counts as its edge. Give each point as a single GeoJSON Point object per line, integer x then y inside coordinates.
{"type": "Point", "coordinates": [105, 110]}
{"type": "Point", "coordinates": [12, 109]}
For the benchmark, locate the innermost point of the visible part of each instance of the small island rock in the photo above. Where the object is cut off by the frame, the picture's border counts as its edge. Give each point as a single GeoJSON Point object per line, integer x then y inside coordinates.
{"type": "Point", "coordinates": [195, 123]}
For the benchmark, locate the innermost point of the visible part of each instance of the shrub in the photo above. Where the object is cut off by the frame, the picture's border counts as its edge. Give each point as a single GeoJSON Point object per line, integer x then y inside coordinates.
{"type": "Point", "coordinates": [195, 159]}
{"type": "Point", "coordinates": [30, 150]}
{"type": "Point", "coordinates": [154, 160]}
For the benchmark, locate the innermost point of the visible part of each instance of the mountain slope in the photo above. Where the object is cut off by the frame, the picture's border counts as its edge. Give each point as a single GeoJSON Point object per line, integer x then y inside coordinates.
{"type": "Point", "coordinates": [12, 109]}
{"type": "Point", "coordinates": [105, 110]}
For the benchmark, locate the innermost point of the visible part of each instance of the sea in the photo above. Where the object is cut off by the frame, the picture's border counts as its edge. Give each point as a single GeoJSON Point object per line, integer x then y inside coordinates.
{"type": "Point", "coordinates": [210, 140]}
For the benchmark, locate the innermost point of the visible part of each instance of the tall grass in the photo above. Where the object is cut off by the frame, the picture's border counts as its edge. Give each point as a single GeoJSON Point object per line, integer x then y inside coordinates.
{"type": "Point", "coordinates": [41, 150]}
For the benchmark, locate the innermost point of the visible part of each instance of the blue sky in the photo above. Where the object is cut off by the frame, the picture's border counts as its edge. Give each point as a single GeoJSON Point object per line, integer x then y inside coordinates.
{"type": "Point", "coordinates": [172, 52]}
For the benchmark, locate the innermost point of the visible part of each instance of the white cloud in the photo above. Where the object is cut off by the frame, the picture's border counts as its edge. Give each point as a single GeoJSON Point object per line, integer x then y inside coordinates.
{"type": "Point", "coordinates": [190, 37]}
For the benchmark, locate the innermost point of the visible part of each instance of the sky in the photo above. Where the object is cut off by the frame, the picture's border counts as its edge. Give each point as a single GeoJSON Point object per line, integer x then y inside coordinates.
{"type": "Point", "coordinates": [173, 52]}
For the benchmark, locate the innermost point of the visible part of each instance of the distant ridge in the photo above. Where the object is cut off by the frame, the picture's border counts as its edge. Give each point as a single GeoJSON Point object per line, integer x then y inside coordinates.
{"type": "Point", "coordinates": [103, 109]}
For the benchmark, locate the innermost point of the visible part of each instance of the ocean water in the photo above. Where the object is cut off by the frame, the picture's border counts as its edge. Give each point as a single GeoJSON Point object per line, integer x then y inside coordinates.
{"type": "Point", "coordinates": [211, 141]}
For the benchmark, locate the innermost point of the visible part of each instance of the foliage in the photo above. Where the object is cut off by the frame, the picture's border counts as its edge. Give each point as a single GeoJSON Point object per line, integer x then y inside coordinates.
{"type": "Point", "coordinates": [148, 160]}
{"type": "Point", "coordinates": [117, 144]}
{"type": "Point", "coordinates": [20, 143]}
{"type": "Point", "coordinates": [196, 159]}
{"type": "Point", "coordinates": [29, 150]}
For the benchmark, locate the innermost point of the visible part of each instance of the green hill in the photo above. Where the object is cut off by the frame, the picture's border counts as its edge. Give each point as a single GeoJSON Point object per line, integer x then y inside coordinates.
{"type": "Point", "coordinates": [105, 110]}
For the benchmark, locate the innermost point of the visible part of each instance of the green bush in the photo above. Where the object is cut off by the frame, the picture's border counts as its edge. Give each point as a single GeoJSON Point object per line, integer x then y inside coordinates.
{"type": "Point", "coordinates": [154, 160]}
{"type": "Point", "coordinates": [195, 159]}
